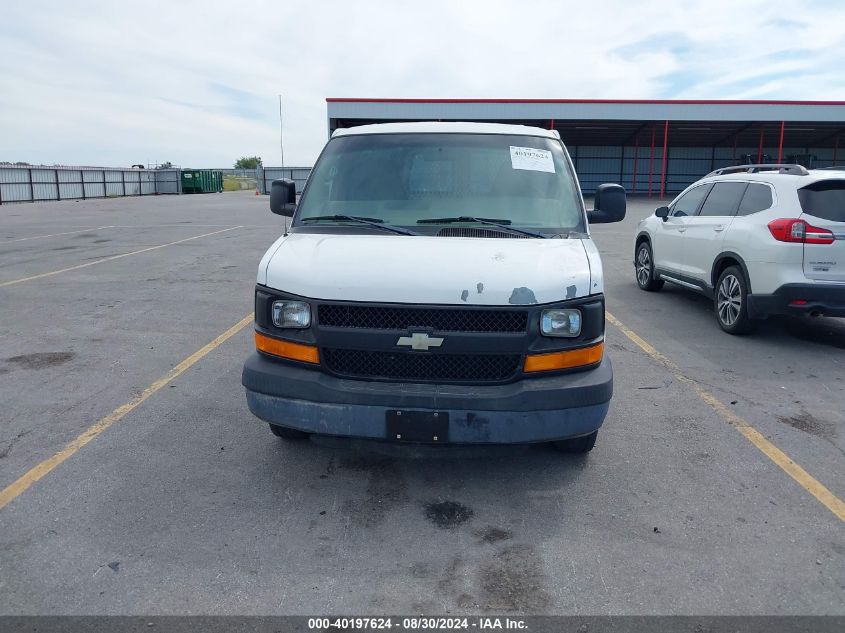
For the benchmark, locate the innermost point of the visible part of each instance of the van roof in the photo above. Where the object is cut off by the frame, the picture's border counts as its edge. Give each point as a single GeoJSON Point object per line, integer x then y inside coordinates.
{"type": "Point", "coordinates": [446, 127]}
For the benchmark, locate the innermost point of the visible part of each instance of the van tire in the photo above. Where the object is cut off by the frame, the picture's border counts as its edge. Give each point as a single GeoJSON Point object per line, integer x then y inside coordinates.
{"type": "Point", "coordinates": [288, 433]}
{"type": "Point", "coordinates": [644, 268]}
{"type": "Point", "coordinates": [583, 444]}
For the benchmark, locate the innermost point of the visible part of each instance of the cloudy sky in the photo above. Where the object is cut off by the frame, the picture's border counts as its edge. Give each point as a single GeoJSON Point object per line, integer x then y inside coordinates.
{"type": "Point", "coordinates": [197, 83]}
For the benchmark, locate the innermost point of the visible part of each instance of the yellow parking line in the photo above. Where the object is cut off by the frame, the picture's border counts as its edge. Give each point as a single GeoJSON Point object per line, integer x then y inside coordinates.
{"type": "Point", "coordinates": [781, 459]}
{"type": "Point", "coordinates": [38, 237]}
{"type": "Point", "coordinates": [14, 490]}
{"type": "Point", "coordinates": [111, 258]}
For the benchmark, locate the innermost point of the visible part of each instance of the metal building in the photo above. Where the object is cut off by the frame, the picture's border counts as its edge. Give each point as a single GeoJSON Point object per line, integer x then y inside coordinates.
{"type": "Point", "coordinates": [652, 147]}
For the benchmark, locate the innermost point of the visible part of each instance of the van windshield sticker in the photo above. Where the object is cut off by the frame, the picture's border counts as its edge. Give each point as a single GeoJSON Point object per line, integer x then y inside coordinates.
{"type": "Point", "coordinates": [532, 159]}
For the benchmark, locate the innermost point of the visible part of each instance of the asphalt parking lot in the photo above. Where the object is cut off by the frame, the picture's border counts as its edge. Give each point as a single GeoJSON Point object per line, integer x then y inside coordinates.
{"type": "Point", "coordinates": [181, 502]}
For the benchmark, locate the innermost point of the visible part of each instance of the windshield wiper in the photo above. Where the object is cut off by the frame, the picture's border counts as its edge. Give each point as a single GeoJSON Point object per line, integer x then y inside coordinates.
{"type": "Point", "coordinates": [376, 222]}
{"type": "Point", "coordinates": [502, 224]}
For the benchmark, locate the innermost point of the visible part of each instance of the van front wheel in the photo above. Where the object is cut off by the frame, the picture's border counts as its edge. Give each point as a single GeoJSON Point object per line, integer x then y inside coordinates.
{"type": "Point", "coordinates": [288, 434]}
{"type": "Point", "coordinates": [583, 444]}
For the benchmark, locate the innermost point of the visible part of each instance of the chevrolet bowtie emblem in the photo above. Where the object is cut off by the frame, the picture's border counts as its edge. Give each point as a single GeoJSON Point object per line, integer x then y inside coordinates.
{"type": "Point", "coordinates": [420, 341]}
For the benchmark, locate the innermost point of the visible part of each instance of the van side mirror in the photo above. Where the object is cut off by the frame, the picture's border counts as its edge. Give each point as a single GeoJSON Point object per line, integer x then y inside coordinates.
{"type": "Point", "coordinates": [283, 197]}
{"type": "Point", "coordinates": [662, 213]}
{"type": "Point", "coordinates": [609, 205]}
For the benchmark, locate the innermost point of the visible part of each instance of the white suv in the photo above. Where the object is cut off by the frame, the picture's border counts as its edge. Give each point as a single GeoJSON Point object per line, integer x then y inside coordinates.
{"type": "Point", "coordinates": [758, 239]}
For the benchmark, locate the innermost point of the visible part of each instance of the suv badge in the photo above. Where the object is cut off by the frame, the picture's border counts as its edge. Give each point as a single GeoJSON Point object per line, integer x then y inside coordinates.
{"type": "Point", "coordinates": [420, 341]}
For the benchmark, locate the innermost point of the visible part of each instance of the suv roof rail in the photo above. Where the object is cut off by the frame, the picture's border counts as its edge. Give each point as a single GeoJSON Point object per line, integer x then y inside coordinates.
{"type": "Point", "coordinates": [795, 170]}
{"type": "Point", "coordinates": [833, 168]}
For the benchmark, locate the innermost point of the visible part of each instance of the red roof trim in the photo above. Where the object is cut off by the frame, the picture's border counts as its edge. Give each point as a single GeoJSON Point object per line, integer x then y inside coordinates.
{"type": "Point", "coordinates": [598, 101]}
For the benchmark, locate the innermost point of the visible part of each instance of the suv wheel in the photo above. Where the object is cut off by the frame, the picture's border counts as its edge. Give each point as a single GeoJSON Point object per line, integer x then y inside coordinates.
{"type": "Point", "coordinates": [731, 302]}
{"type": "Point", "coordinates": [287, 433]}
{"type": "Point", "coordinates": [644, 269]}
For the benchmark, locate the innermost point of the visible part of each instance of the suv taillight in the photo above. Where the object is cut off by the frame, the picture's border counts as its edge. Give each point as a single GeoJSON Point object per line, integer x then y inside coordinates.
{"type": "Point", "coordinates": [792, 230]}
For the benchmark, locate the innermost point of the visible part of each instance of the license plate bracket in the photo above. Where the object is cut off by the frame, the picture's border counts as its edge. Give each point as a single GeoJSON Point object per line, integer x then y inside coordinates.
{"type": "Point", "coordinates": [417, 426]}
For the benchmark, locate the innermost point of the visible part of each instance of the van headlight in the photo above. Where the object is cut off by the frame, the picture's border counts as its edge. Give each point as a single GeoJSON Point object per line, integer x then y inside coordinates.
{"type": "Point", "coordinates": [560, 322]}
{"type": "Point", "coordinates": [293, 314]}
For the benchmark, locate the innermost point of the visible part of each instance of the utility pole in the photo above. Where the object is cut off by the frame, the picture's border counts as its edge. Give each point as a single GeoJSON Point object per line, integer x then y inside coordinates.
{"type": "Point", "coordinates": [281, 132]}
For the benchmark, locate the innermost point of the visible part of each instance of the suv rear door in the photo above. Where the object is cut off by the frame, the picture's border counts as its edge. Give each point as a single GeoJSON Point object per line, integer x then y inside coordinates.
{"type": "Point", "coordinates": [823, 207]}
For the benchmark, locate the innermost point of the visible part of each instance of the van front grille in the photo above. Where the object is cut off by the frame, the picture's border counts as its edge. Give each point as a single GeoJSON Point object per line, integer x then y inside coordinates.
{"type": "Point", "coordinates": [421, 367]}
{"type": "Point", "coordinates": [438, 319]}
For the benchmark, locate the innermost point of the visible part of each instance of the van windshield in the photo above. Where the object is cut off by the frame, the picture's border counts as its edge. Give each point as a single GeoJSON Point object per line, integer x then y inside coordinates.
{"type": "Point", "coordinates": [423, 180]}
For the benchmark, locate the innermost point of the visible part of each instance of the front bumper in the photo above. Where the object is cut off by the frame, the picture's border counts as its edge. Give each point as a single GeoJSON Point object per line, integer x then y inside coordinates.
{"type": "Point", "coordinates": [825, 299]}
{"type": "Point", "coordinates": [537, 409]}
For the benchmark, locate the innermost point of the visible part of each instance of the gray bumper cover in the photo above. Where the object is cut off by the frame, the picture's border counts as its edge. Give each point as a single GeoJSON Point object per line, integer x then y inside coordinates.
{"type": "Point", "coordinates": [531, 410]}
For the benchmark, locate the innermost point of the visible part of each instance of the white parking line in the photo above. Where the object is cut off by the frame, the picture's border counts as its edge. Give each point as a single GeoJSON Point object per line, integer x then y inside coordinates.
{"type": "Point", "coordinates": [38, 237]}
{"type": "Point", "coordinates": [111, 258]}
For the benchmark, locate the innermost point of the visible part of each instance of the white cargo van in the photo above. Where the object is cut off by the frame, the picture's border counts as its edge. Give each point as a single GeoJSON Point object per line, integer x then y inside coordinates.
{"type": "Point", "coordinates": [437, 284]}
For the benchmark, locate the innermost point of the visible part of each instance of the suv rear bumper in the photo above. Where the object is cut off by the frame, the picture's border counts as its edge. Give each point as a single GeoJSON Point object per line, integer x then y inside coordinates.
{"type": "Point", "coordinates": [532, 410]}
{"type": "Point", "coordinates": [828, 300]}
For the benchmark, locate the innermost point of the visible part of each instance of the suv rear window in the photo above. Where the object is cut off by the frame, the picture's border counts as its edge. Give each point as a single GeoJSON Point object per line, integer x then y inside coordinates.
{"type": "Point", "coordinates": [723, 199]}
{"type": "Point", "coordinates": [756, 198]}
{"type": "Point", "coordinates": [824, 199]}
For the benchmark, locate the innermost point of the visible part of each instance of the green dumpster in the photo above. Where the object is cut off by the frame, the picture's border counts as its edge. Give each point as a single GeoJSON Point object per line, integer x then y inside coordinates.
{"type": "Point", "coordinates": [202, 181]}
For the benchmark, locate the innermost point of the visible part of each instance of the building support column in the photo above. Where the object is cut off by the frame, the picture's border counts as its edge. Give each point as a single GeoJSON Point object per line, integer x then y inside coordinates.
{"type": "Point", "coordinates": [665, 152]}
{"type": "Point", "coordinates": [621, 165]}
{"type": "Point", "coordinates": [780, 142]}
{"type": "Point", "coordinates": [835, 148]}
{"type": "Point", "coordinates": [760, 147]}
{"type": "Point", "coordinates": [651, 160]}
{"type": "Point", "coordinates": [636, 154]}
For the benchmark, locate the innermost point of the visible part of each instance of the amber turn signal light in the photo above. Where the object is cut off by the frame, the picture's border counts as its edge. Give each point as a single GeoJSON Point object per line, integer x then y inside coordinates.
{"type": "Point", "coordinates": [286, 349]}
{"type": "Point", "coordinates": [564, 360]}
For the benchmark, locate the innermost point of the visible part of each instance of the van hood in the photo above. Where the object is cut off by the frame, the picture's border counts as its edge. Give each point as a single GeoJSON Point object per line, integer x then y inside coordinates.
{"type": "Point", "coordinates": [431, 270]}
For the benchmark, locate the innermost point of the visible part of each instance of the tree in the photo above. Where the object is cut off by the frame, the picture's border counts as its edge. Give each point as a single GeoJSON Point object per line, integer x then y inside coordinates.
{"type": "Point", "coordinates": [248, 162]}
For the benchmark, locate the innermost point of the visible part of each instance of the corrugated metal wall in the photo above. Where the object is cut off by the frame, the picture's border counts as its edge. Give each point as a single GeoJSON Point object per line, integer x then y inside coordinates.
{"type": "Point", "coordinates": [29, 184]}
{"type": "Point", "coordinates": [596, 165]}
{"type": "Point", "coordinates": [684, 165]}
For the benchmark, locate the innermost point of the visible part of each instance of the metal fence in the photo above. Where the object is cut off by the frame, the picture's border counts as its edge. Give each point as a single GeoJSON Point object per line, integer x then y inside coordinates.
{"type": "Point", "coordinates": [240, 173]}
{"type": "Point", "coordinates": [266, 175]}
{"type": "Point", "coordinates": [33, 184]}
